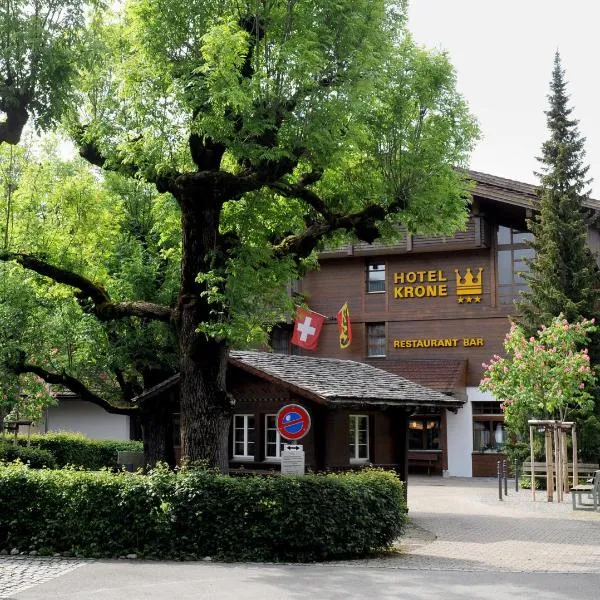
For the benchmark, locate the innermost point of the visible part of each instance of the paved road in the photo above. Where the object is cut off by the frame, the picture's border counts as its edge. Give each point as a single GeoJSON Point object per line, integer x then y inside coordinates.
{"type": "Point", "coordinates": [463, 543]}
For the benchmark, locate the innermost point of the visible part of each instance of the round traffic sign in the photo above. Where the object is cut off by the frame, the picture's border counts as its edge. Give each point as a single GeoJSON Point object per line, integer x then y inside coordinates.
{"type": "Point", "coordinates": [293, 422]}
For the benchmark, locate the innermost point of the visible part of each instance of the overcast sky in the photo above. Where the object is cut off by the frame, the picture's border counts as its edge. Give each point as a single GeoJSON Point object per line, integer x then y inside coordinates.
{"type": "Point", "coordinates": [503, 53]}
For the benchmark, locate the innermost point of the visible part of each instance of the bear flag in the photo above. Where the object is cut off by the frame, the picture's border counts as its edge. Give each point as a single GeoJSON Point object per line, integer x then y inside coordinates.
{"type": "Point", "coordinates": [344, 327]}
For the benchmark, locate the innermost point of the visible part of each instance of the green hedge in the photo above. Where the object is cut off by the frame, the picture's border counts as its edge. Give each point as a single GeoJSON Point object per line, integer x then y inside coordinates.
{"type": "Point", "coordinates": [192, 514]}
{"type": "Point", "coordinates": [77, 450]}
{"type": "Point", "coordinates": [37, 458]}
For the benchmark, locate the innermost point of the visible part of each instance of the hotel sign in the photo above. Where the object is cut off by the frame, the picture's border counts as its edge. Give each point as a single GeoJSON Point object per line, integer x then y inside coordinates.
{"type": "Point", "coordinates": [434, 284]}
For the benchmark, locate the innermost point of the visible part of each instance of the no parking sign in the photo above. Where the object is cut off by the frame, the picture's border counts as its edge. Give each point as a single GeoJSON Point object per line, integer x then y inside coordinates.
{"type": "Point", "coordinates": [293, 422]}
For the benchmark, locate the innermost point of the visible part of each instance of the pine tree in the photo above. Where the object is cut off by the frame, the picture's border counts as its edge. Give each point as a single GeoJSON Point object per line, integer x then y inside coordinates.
{"type": "Point", "coordinates": [563, 276]}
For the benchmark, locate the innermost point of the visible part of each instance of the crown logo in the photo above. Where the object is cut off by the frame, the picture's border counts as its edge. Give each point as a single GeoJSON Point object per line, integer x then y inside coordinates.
{"type": "Point", "coordinates": [470, 286]}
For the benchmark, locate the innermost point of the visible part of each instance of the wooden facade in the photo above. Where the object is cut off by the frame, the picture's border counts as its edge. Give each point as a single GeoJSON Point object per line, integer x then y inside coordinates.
{"type": "Point", "coordinates": [435, 300]}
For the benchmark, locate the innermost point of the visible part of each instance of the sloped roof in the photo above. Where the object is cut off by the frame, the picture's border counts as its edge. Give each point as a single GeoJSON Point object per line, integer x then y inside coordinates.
{"type": "Point", "coordinates": [442, 375]}
{"type": "Point", "coordinates": [329, 381]}
{"type": "Point", "coordinates": [510, 191]}
{"type": "Point", "coordinates": [334, 381]}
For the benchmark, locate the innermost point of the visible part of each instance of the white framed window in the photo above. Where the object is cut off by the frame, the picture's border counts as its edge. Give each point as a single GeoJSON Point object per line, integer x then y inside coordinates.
{"type": "Point", "coordinates": [243, 436]}
{"type": "Point", "coordinates": [376, 339]}
{"type": "Point", "coordinates": [359, 438]}
{"type": "Point", "coordinates": [376, 277]}
{"type": "Point", "coordinates": [274, 443]}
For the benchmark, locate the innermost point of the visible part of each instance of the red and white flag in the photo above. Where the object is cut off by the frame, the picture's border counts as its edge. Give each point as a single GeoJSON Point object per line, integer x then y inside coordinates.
{"type": "Point", "coordinates": [307, 328]}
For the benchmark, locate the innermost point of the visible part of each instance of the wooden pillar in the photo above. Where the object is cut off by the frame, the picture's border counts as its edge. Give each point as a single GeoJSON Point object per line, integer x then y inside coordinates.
{"type": "Point", "coordinates": [549, 464]}
{"type": "Point", "coordinates": [401, 436]}
{"type": "Point", "coordinates": [557, 462]}
{"type": "Point", "coordinates": [320, 437]}
{"type": "Point", "coordinates": [564, 462]}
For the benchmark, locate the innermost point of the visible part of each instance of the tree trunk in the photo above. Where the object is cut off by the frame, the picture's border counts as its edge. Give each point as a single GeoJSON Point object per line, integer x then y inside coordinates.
{"type": "Point", "coordinates": [206, 407]}
{"type": "Point", "coordinates": [157, 431]}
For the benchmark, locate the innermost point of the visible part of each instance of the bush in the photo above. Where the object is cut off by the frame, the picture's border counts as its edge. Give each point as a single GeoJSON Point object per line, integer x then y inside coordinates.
{"type": "Point", "coordinates": [35, 457]}
{"type": "Point", "coordinates": [198, 513]}
{"type": "Point", "coordinates": [77, 450]}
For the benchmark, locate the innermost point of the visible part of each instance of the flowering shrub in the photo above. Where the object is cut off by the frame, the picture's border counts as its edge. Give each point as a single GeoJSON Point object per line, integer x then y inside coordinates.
{"type": "Point", "coordinates": [542, 377]}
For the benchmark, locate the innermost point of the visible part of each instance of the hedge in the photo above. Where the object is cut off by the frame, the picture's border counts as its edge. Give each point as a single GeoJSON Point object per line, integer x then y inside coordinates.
{"type": "Point", "coordinates": [77, 450]}
{"type": "Point", "coordinates": [193, 514]}
{"type": "Point", "coordinates": [37, 458]}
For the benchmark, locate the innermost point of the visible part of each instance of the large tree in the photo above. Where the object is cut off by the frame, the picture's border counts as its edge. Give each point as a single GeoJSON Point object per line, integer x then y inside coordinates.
{"type": "Point", "coordinates": [276, 126]}
{"type": "Point", "coordinates": [563, 276]}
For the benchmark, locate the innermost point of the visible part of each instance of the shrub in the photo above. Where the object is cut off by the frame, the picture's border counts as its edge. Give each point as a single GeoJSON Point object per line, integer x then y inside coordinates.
{"type": "Point", "coordinates": [77, 450]}
{"type": "Point", "coordinates": [37, 458]}
{"type": "Point", "coordinates": [198, 513]}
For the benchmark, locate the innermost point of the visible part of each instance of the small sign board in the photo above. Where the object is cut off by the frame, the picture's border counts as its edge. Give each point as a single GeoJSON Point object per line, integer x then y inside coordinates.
{"type": "Point", "coordinates": [292, 460]}
{"type": "Point", "coordinates": [293, 422]}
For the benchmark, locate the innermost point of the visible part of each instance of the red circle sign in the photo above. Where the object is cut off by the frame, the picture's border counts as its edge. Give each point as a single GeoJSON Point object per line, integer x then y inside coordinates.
{"type": "Point", "coordinates": [293, 422]}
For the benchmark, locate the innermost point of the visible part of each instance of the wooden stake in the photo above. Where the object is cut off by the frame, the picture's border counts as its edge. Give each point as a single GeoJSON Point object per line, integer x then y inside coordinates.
{"type": "Point", "coordinates": [575, 452]}
{"type": "Point", "coordinates": [557, 463]}
{"type": "Point", "coordinates": [549, 464]}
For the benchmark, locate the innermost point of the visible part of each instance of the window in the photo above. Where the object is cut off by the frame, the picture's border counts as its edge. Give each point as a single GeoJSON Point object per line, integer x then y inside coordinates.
{"type": "Point", "coordinates": [375, 339]}
{"type": "Point", "coordinates": [280, 340]}
{"type": "Point", "coordinates": [424, 433]}
{"type": "Point", "coordinates": [513, 256]}
{"type": "Point", "coordinates": [274, 443]}
{"type": "Point", "coordinates": [376, 277]}
{"type": "Point", "coordinates": [359, 438]}
{"type": "Point", "coordinates": [243, 436]}
{"type": "Point", "coordinates": [489, 433]}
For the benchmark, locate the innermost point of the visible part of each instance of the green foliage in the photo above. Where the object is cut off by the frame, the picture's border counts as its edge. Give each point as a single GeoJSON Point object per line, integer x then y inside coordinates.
{"type": "Point", "coordinates": [199, 513]}
{"type": "Point", "coordinates": [589, 439]}
{"type": "Point", "coordinates": [79, 451]}
{"type": "Point", "coordinates": [36, 458]}
{"type": "Point", "coordinates": [543, 377]}
{"type": "Point", "coordinates": [39, 51]}
{"type": "Point", "coordinates": [563, 276]}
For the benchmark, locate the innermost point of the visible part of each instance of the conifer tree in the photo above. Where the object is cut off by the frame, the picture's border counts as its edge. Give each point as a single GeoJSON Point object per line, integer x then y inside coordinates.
{"type": "Point", "coordinates": [563, 275]}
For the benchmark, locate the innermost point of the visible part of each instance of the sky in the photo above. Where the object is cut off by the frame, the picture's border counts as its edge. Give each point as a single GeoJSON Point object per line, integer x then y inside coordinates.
{"type": "Point", "coordinates": [503, 53]}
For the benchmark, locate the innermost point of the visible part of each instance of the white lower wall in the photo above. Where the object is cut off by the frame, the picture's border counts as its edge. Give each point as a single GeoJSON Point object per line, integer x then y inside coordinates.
{"type": "Point", "coordinates": [460, 441]}
{"type": "Point", "coordinates": [460, 434]}
{"type": "Point", "coordinates": [87, 418]}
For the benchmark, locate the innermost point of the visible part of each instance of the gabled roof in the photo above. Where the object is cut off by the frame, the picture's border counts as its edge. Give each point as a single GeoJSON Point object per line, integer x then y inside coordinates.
{"type": "Point", "coordinates": [334, 381]}
{"type": "Point", "coordinates": [329, 381]}
{"type": "Point", "coordinates": [510, 191]}
{"type": "Point", "coordinates": [445, 376]}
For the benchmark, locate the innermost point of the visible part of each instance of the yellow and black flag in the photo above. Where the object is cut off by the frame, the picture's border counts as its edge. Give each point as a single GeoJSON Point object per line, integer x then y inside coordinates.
{"type": "Point", "coordinates": [344, 326]}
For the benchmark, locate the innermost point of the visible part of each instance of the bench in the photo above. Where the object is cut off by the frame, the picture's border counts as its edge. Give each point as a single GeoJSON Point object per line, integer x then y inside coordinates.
{"type": "Point", "coordinates": [423, 459]}
{"type": "Point", "coordinates": [584, 470]}
{"type": "Point", "coordinates": [591, 489]}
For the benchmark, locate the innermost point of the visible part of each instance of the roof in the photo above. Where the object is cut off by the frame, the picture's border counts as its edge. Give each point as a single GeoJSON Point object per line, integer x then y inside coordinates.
{"type": "Point", "coordinates": [510, 191]}
{"type": "Point", "coordinates": [445, 376]}
{"type": "Point", "coordinates": [330, 381]}
{"type": "Point", "coordinates": [335, 381]}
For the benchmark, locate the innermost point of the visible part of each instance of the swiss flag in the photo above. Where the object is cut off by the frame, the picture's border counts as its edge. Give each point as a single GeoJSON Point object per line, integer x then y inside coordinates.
{"type": "Point", "coordinates": [307, 328]}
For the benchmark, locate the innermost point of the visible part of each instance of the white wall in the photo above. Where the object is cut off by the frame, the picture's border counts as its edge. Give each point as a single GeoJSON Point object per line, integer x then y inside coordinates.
{"type": "Point", "coordinates": [87, 418]}
{"type": "Point", "coordinates": [460, 434]}
{"type": "Point", "coordinates": [460, 441]}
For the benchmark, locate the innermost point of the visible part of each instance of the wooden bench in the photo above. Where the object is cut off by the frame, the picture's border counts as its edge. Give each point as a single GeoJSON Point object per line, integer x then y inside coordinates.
{"type": "Point", "coordinates": [423, 459]}
{"type": "Point", "coordinates": [584, 470]}
{"type": "Point", "coordinates": [591, 489]}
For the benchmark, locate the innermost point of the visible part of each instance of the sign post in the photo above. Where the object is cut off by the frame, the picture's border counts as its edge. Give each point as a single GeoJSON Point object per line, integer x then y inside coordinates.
{"type": "Point", "coordinates": [293, 423]}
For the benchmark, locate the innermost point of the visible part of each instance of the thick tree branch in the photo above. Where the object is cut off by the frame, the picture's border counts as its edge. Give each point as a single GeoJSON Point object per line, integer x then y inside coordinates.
{"type": "Point", "coordinates": [74, 385]}
{"type": "Point", "coordinates": [89, 151]}
{"type": "Point", "coordinates": [104, 308]}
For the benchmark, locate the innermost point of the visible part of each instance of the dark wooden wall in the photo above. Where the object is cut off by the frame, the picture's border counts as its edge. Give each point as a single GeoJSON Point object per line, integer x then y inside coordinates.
{"type": "Point", "coordinates": [344, 280]}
